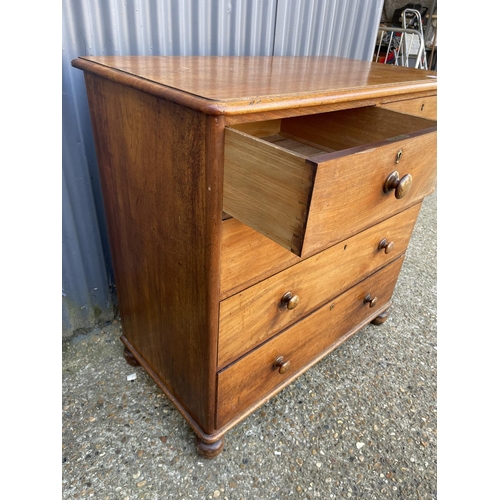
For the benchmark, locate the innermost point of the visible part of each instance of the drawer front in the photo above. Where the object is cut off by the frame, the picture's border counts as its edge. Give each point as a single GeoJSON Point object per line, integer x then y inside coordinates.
{"type": "Point", "coordinates": [426, 107]}
{"type": "Point", "coordinates": [248, 256]}
{"type": "Point", "coordinates": [252, 316]}
{"type": "Point", "coordinates": [350, 195]}
{"type": "Point", "coordinates": [318, 179]}
{"type": "Point", "coordinates": [247, 382]}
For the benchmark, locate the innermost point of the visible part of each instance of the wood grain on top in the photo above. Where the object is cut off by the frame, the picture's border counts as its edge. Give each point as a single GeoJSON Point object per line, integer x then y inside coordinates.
{"type": "Point", "coordinates": [234, 85]}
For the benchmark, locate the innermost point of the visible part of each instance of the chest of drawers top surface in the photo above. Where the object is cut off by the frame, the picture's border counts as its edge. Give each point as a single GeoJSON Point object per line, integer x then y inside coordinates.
{"type": "Point", "coordinates": [245, 84]}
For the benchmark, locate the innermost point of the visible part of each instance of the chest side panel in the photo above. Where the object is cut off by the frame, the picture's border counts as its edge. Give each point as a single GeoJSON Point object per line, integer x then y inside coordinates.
{"type": "Point", "coordinates": [153, 164]}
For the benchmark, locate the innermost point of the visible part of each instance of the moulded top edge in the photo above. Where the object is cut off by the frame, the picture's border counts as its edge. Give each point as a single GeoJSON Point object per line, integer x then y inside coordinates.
{"type": "Point", "coordinates": [235, 85]}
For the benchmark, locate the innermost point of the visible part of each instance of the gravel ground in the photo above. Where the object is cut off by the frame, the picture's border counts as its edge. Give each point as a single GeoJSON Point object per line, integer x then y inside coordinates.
{"type": "Point", "coordinates": [360, 424]}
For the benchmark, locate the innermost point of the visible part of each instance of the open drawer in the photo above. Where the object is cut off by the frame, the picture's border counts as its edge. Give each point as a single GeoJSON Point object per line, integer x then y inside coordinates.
{"type": "Point", "coordinates": [311, 181]}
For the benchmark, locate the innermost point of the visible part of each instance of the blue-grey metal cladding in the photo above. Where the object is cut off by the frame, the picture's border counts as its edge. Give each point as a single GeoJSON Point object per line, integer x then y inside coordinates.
{"type": "Point", "coordinates": [343, 28]}
{"type": "Point", "coordinates": [170, 27]}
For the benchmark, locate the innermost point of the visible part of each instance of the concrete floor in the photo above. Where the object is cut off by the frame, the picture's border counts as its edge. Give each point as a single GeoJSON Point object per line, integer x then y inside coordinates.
{"type": "Point", "coordinates": [359, 424]}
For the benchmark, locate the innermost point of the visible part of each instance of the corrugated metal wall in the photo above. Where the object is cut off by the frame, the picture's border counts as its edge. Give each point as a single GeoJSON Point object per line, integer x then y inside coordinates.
{"type": "Point", "coordinates": [344, 28]}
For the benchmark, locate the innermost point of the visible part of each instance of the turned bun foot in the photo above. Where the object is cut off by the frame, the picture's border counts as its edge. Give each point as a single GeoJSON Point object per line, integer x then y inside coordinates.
{"type": "Point", "coordinates": [129, 357]}
{"type": "Point", "coordinates": [209, 450]}
{"type": "Point", "coordinates": [382, 318]}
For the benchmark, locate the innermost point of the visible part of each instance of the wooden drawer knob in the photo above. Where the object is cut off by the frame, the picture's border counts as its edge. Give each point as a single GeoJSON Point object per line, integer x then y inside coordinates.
{"type": "Point", "coordinates": [289, 301]}
{"type": "Point", "coordinates": [281, 364]}
{"type": "Point", "coordinates": [371, 300]}
{"type": "Point", "coordinates": [385, 245]}
{"type": "Point", "coordinates": [400, 186]}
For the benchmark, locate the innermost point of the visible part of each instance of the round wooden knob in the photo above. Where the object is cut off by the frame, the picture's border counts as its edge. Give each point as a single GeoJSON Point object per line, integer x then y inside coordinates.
{"type": "Point", "coordinates": [400, 186]}
{"type": "Point", "coordinates": [371, 300]}
{"type": "Point", "coordinates": [281, 364]}
{"type": "Point", "coordinates": [385, 245]}
{"type": "Point", "coordinates": [290, 301]}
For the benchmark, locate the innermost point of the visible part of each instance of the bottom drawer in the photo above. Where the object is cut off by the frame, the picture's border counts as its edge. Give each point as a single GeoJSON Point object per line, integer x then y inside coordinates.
{"type": "Point", "coordinates": [249, 380]}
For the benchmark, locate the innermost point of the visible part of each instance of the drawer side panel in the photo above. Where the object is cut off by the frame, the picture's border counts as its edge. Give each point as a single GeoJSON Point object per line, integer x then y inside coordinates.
{"type": "Point", "coordinates": [154, 171]}
{"type": "Point", "coordinates": [267, 188]}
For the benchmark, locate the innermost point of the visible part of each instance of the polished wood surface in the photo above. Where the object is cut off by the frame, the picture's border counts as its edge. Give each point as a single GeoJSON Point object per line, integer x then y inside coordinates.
{"type": "Point", "coordinates": [248, 256]}
{"type": "Point", "coordinates": [380, 319]}
{"type": "Point", "coordinates": [130, 358]}
{"type": "Point", "coordinates": [342, 130]}
{"type": "Point", "coordinates": [236, 85]}
{"type": "Point", "coordinates": [322, 107]}
{"type": "Point", "coordinates": [220, 316]}
{"type": "Point", "coordinates": [357, 182]}
{"type": "Point", "coordinates": [426, 107]}
{"type": "Point", "coordinates": [270, 187]}
{"type": "Point", "coordinates": [253, 376]}
{"type": "Point", "coordinates": [288, 302]}
{"type": "Point", "coordinates": [164, 256]}
{"type": "Point", "coordinates": [267, 181]}
{"type": "Point", "coordinates": [252, 316]}
{"type": "Point", "coordinates": [400, 186]}
{"type": "Point", "coordinates": [267, 188]}
{"type": "Point", "coordinates": [209, 450]}
{"type": "Point", "coordinates": [386, 246]}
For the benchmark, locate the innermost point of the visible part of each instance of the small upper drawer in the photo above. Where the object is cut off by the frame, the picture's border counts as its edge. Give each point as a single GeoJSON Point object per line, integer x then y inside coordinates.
{"type": "Point", "coordinates": [426, 107]}
{"type": "Point", "coordinates": [308, 182]}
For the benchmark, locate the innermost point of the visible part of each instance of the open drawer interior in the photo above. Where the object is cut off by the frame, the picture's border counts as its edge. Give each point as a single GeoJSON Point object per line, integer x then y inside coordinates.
{"type": "Point", "coordinates": [270, 167]}
{"type": "Point", "coordinates": [313, 135]}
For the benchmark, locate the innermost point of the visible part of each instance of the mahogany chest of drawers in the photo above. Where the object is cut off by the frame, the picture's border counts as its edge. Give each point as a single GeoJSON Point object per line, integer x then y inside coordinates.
{"type": "Point", "coordinates": [258, 210]}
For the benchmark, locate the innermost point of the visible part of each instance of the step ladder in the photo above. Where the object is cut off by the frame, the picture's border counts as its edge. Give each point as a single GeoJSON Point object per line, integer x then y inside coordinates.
{"type": "Point", "coordinates": [402, 46]}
